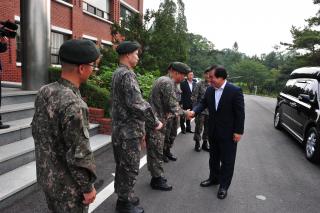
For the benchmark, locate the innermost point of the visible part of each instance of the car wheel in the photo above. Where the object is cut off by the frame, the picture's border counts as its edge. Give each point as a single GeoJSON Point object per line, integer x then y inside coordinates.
{"type": "Point", "coordinates": [312, 146]}
{"type": "Point", "coordinates": [277, 120]}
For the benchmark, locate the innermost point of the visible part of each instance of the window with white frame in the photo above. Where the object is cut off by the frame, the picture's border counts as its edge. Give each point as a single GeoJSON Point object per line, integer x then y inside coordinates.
{"type": "Point", "coordinates": [57, 40]}
{"type": "Point", "coordinates": [98, 8]}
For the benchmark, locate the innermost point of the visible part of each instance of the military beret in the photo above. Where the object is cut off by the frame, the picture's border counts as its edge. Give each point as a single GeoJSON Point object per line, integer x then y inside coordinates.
{"type": "Point", "coordinates": [127, 47]}
{"type": "Point", "coordinates": [79, 51]}
{"type": "Point", "coordinates": [180, 67]}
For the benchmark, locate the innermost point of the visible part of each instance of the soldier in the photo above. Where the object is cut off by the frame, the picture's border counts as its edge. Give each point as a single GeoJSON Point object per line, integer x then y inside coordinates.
{"type": "Point", "coordinates": [201, 120]}
{"type": "Point", "coordinates": [171, 131]}
{"type": "Point", "coordinates": [64, 160]}
{"type": "Point", "coordinates": [164, 103]}
{"type": "Point", "coordinates": [130, 114]}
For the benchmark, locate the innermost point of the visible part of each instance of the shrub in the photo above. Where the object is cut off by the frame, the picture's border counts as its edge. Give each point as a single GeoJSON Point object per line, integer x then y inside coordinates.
{"type": "Point", "coordinates": [54, 74]}
{"type": "Point", "coordinates": [96, 97]}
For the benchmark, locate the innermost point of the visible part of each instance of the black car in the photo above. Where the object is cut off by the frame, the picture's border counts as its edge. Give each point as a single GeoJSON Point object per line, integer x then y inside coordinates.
{"type": "Point", "coordinates": [297, 109]}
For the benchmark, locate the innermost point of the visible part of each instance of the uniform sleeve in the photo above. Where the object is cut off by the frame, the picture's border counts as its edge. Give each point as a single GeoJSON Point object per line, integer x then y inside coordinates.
{"type": "Point", "coordinates": [202, 105]}
{"type": "Point", "coordinates": [135, 102]}
{"type": "Point", "coordinates": [170, 98]}
{"type": "Point", "coordinates": [195, 93]}
{"type": "Point", "coordinates": [239, 112]}
{"type": "Point", "coordinates": [79, 155]}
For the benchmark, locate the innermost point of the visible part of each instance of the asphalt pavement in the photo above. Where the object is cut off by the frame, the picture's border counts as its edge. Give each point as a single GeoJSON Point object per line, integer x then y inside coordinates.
{"type": "Point", "coordinates": [271, 175]}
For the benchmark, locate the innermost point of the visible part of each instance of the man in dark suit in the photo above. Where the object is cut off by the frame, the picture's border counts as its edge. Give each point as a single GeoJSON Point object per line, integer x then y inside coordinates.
{"type": "Point", "coordinates": [187, 86]}
{"type": "Point", "coordinates": [226, 123]}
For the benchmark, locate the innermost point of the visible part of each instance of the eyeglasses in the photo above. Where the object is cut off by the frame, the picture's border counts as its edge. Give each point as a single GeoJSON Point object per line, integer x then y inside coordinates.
{"type": "Point", "coordinates": [95, 66]}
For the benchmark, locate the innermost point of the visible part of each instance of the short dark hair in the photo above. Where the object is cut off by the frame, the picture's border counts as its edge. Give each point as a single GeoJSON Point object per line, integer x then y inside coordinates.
{"type": "Point", "coordinates": [210, 68]}
{"type": "Point", "coordinates": [220, 72]}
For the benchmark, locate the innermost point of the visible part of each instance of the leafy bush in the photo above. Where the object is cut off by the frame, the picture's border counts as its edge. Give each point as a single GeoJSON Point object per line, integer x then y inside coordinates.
{"type": "Point", "coordinates": [109, 57]}
{"type": "Point", "coordinates": [145, 83]}
{"type": "Point", "coordinates": [96, 97]}
{"type": "Point", "coordinates": [54, 74]}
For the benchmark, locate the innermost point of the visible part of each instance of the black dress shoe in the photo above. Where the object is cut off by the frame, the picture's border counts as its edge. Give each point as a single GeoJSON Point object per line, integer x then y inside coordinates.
{"type": "Point", "coordinates": [205, 146]}
{"type": "Point", "coordinates": [209, 182]}
{"type": "Point", "coordinates": [183, 131]}
{"type": "Point", "coordinates": [222, 193]}
{"type": "Point", "coordinates": [160, 183]}
{"type": "Point", "coordinates": [190, 131]}
{"type": "Point", "coordinates": [127, 207]}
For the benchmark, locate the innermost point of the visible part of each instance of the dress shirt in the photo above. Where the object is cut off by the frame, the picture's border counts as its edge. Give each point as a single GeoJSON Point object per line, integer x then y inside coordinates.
{"type": "Point", "coordinates": [218, 92]}
{"type": "Point", "coordinates": [190, 85]}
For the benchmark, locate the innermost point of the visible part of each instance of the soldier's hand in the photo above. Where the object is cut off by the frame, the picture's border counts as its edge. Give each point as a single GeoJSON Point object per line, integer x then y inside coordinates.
{"type": "Point", "coordinates": [89, 197]}
{"type": "Point", "coordinates": [160, 125]}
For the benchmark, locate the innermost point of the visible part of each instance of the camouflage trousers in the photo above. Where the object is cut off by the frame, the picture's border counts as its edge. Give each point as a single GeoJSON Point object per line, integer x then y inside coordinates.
{"type": "Point", "coordinates": [155, 142]}
{"type": "Point", "coordinates": [127, 158]}
{"type": "Point", "coordinates": [201, 124]}
{"type": "Point", "coordinates": [73, 205]}
{"type": "Point", "coordinates": [171, 132]}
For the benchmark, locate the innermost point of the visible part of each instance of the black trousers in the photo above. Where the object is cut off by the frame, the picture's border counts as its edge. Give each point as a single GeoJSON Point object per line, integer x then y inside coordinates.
{"type": "Point", "coordinates": [222, 160]}
{"type": "Point", "coordinates": [183, 127]}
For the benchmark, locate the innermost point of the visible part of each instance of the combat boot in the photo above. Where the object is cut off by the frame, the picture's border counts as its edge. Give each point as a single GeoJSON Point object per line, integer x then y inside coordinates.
{"type": "Point", "coordinates": [169, 155]}
{"type": "Point", "coordinates": [165, 158]}
{"type": "Point", "coordinates": [127, 207]}
{"type": "Point", "coordinates": [160, 183]}
{"type": "Point", "coordinates": [205, 146]}
{"type": "Point", "coordinates": [197, 146]}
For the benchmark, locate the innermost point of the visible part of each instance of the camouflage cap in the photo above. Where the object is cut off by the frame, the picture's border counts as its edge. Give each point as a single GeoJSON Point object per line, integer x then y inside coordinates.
{"type": "Point", "coordinates": [127, 47]}
{"type": "Point", "coordinates": [79, 51]}
{"type": "Point", "coordinates": [180, 67]}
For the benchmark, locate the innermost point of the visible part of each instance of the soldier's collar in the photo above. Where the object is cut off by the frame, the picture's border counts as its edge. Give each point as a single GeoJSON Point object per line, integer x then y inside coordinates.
{"type": "Point", "coordinates": [70, 85]}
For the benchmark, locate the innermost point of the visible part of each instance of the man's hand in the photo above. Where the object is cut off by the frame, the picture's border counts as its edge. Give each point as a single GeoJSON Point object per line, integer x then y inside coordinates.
{"type": "Point", "coordinates": [160, 125]}
{"type": "Point", "coordinates": [189, 114]}
{"type": "Point", "coordinates": [236, 137]}
{"type": "Point", "coordinates": [89, 197]}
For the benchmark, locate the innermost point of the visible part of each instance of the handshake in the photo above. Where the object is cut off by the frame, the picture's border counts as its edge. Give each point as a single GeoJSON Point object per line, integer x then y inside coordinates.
{"type": "Point", "coordinates": [189, 114]}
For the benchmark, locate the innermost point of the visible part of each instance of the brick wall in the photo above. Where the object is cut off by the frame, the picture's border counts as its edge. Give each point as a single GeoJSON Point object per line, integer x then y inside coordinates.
{"type": "Point", "coordinates": [73, 19]}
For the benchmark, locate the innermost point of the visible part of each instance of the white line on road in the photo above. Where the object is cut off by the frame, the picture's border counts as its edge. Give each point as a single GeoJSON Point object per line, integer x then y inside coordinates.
{"type": "Point", "coordinates": [109, 190]}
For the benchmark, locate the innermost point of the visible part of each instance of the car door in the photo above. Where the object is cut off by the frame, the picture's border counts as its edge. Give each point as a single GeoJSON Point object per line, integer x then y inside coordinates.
{"type": "Point", "coordinates": [285, 98]}
{"type": "Point", "coordinates": [305, 106]}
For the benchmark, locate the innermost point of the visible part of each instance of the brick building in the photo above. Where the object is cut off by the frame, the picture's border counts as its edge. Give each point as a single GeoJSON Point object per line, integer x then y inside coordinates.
{"type": "Point", "coordinates": [87, 19]}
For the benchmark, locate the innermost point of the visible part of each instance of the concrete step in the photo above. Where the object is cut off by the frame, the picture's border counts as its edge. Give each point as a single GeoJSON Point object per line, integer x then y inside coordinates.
{"type": "Point", "coordinates": [16, 154]}
{"type": "Point", "coordinates": [16, 111]}
{"type": "Point", "coordinates": [20, 130]}
{"type": "Point", "coordinates": [17, 96]}
{"type": "Point", "coordinates": [19, 182]}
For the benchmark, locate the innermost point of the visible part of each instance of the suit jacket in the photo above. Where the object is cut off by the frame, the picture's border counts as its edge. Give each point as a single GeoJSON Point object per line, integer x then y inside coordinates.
{"type": "Point", "coordinates": [229, 116]}
{"type": "Point", "coordinates": [186, 94]}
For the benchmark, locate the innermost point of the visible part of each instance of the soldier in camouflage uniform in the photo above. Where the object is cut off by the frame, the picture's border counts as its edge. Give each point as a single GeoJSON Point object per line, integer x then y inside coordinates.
{"type": "Point", "coordinates": [64, 160]}
{"type": "Point", "coordinates": [171, 131]}
{"type": "Point", "coordinates": [165, 105]}
{"type": "Point", "coordinates": [130, 114]}
{"type": "Point", "coordinates": [201, 120]}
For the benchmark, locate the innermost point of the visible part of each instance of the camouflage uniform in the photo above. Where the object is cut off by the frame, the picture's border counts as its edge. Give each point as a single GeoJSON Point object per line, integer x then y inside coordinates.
{"type": "Point", "coordinates": [202, 119]}
{"type": "Point", "coordinates": [130, 114]}
{"type": "Point", "coordinates": [64, 160]}
{"type": "Point", "coordinates": [164, 103]}
{"type": "Point", "coordinates": [172, 124]}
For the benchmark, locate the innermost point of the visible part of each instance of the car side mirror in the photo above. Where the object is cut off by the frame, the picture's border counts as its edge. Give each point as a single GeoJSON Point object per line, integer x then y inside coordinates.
{"type": "Point", "coordinates": [305, 98]}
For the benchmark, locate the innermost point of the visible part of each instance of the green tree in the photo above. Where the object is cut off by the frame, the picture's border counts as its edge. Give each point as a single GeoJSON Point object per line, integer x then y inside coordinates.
{"type": "Point", "coordinates": [250, 72]}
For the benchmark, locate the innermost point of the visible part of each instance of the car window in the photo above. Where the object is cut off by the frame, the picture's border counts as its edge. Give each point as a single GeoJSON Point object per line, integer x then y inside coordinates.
{"type": "Point", "coordinates": [311, 89]}
{"type": "Point", "coordinates": [289, 86]}
{"type": "Point", "coordinates": [298, 88]}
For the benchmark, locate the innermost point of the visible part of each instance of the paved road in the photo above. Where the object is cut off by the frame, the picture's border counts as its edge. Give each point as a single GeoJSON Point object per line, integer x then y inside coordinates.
{"type": "Point", "coordinates": [270, 165]}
